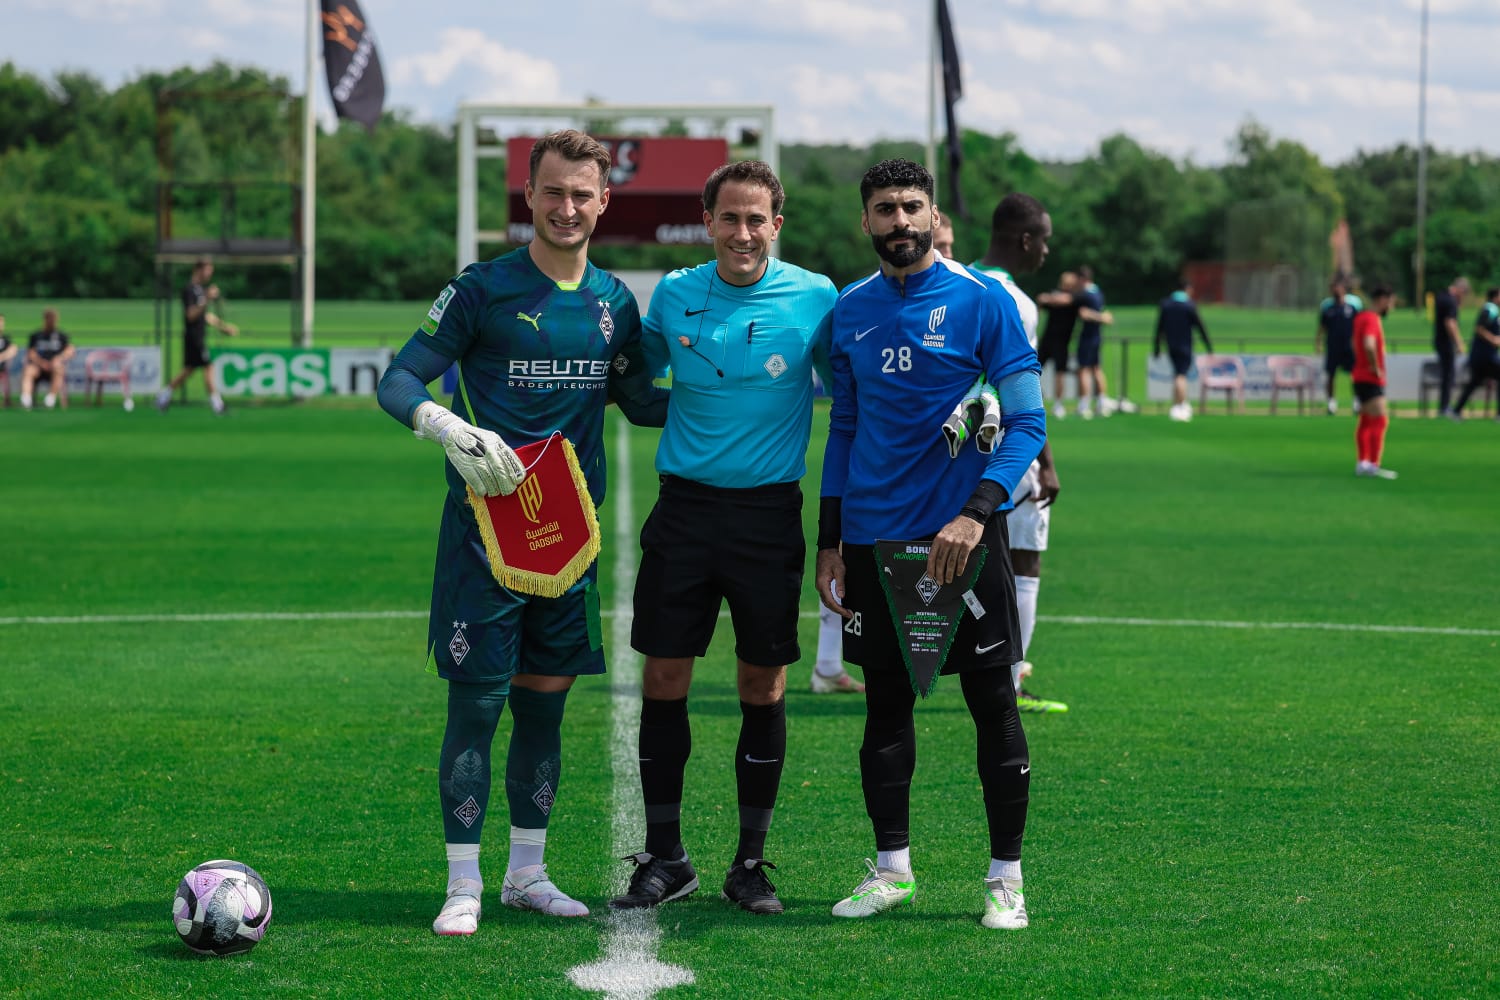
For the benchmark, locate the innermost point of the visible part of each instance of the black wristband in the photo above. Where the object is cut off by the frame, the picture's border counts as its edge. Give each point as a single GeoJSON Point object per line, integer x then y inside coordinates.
{"type": "Point", "coordinates": [830, 522]}
{"type": "Point", "coordinates": [982, 504]}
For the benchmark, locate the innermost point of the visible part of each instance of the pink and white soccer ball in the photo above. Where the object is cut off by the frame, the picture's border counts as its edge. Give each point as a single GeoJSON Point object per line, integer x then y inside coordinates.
{"type": "Point", "coordinates": [221, 908]}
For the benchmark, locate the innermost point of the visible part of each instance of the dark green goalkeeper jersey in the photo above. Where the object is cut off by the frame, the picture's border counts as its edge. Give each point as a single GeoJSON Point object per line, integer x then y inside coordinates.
{"type": "Point", "coordinates": [534, 356]}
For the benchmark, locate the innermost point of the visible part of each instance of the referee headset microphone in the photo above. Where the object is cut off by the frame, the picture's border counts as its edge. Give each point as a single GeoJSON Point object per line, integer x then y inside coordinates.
{"type": "Point", "coordinates": [699, 335]}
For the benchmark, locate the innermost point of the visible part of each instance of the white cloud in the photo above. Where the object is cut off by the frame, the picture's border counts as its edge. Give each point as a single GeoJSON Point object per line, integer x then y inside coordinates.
{"type": "Point", "coordinates": [484, 69]}
{"type": "Point", "coordinates": [839, 19]}
{"type": "Point", "coordinates": [99, 10]}
{"type": "Point", "coordinates": [286, 15]}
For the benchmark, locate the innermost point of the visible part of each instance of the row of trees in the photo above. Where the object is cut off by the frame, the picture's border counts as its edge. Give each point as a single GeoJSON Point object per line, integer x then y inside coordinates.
{"type": "Point", "coordinates": [80, 166]}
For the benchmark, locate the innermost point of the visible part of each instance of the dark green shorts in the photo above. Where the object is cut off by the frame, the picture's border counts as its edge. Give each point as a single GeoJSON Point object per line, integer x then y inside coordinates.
{"type": "Point", "coordinates": [482, 632]}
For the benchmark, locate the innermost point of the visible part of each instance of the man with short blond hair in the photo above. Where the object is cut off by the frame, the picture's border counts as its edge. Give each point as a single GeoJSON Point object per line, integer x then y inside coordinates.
{"type": "Point", "coordinates": [542, 339]}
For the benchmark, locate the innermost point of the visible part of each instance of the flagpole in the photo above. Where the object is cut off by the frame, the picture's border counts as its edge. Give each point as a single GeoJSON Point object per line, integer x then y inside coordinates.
{"type": "Point", "coordinates": [309, 173]}
{"type": "Point", "coordinates": [932, 71]}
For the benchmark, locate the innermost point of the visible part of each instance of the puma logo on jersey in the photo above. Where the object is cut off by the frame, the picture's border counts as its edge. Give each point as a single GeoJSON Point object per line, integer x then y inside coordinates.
{"type": "Point", "coordinates": [533, 320]}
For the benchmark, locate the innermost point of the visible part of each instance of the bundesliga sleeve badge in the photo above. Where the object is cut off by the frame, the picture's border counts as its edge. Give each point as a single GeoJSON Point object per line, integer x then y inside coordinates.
{"type": "Point", "coordinates": [544, 536]}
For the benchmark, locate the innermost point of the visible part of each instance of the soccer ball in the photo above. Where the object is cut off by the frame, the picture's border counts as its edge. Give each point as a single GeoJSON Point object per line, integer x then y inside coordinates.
{"type": "Point", "coordinates": [128, 404]}
{"type": "Point", "coordinates": [221, 908]}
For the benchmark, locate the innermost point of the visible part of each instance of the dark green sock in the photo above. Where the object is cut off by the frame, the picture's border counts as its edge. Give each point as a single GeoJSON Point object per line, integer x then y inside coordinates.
{"type": "Point", "coordinates": [534, 764]}
{"type": "Point", "coordinates": [464, 762]}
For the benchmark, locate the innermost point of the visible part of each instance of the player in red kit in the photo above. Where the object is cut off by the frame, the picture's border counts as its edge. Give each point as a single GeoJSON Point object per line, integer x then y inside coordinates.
{"type": "Point", "coordinates": [1369, 384]}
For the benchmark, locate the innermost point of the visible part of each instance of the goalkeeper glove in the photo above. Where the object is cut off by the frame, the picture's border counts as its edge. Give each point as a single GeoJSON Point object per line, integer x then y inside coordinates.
{"type": "Point", "coordinates": [964, 418]}
{"type": "Point", "coordinates": [487, 463]}
{"type": "Point", "coordinates": [989, 431]}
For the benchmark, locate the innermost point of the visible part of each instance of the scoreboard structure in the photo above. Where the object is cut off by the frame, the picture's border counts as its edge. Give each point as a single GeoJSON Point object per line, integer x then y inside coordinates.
{"type": "Point", "coordinates": [656, 180]}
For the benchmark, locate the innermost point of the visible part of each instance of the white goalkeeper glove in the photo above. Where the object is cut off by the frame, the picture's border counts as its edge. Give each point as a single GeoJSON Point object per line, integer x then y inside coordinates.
{"type": "Point", "coordinates": [989, 432]}
{"type": "Point", "coordinates": [487, 463]}
{"type": "Point", "coordinates": [961, 423]}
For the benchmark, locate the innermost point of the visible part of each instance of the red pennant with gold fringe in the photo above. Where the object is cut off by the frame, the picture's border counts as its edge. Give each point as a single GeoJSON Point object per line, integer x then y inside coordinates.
{"type": "Point", "coordinates": [543, 537]}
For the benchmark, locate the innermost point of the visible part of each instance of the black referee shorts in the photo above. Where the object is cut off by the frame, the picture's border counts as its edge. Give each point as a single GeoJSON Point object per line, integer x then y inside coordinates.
{"type": "Point", "coordinates": [706, 545]}
{"type": "Point", "coordinates": [870, 639]}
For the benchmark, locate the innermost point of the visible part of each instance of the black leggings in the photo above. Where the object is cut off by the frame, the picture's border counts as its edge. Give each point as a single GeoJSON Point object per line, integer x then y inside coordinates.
{"type": "Point", "coordinates": [888, 757]}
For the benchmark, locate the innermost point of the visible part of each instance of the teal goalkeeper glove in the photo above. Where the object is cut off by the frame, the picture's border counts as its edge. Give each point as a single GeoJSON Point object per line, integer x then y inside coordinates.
{"type": "Point", "coordinates": [485, 461]}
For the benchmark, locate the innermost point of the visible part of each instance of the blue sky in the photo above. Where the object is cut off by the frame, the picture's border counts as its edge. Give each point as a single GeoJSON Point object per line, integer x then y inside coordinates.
{"type": "Point", "coordinates": [1178, 75]}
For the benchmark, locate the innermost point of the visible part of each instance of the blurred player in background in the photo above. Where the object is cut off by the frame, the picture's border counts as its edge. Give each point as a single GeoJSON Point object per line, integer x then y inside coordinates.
{"type": "Point", "coordinates": [1335, 335]}
{"type": "Point", "coordinates": [1484, 351]}
{"type": "Point", "coordinates": [1369, 384]}
{"type": "Point", "coordinates": [1176, 319]}
{"type": "Point", "coordinates": [908, 341]}
{"type": "Point", "coordinates": [1447, 338]}
{"type": "Point", "coordinates": [1062, 307]}
{"type": "Point", "coordinates": [533, 332]}
{"type": "Point", "coordinates": [1019, 230]}
{"type": "Point", "coordinates": [196, 319]}
{"type": "Point", "coordinates": [47, 354]}
{"type": "Point", "coordinates": [942, 238]}
{"type": "Point", "coordinates": [741, 334]}
{"type": "Point", "coordinates": [8, 349]}
{"type": "Point", "coordinates": [1093, 389]}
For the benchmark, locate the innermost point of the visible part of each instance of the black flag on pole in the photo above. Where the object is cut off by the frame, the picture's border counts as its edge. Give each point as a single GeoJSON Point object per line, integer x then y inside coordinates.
{"type": "Point", "coordinates": [354, 77]}
{"type": "Point", "coordinates": [953, 89]}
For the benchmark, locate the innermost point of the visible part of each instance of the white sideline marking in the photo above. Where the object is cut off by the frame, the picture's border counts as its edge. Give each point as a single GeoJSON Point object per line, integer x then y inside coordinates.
{"type": "Point", "coordinates": [211, 616]}
{"type": "Point", "coordinates": [1316, 626]}
{"type": "Point", "coordinates": [624, 578]}
{"type": "Point", "coordinates": [629, 969]}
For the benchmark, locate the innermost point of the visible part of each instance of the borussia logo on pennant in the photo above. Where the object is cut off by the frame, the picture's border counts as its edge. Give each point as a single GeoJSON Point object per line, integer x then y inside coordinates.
{"type": "Point", "coordinates": [530, 495]}
{"type": "Point", "coordinates": [935, 318]}
{"type": "Point", "coordinates": [927, 588]}
{"type": "Point", "coordinates": [606, 322]}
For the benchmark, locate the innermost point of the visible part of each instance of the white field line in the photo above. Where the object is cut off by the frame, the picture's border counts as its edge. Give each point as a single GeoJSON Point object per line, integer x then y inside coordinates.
{"type": "Point", "coordinates": [629, 969]}
{"type": "Point", "coordinates": [624, 574]}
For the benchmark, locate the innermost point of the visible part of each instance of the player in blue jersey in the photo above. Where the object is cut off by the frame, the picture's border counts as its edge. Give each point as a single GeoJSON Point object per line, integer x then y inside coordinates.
{"type": "Point", "coordinates": [741, 334]}
{"type": "Point", "coordinates": [1335, 336]}
{"type": "Point", "coordinates": [1176, 319]}
{"type": "Point", "coordinates": [907, 341]}
{"type": "Point", "coordinates": [542, 339]}
{"type": "Point", "coordinates": [1484, 351]}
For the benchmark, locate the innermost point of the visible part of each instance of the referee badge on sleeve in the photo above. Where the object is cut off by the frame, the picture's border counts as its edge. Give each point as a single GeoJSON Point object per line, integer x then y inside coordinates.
{"type": "Point", "coordinates": [542, 538]}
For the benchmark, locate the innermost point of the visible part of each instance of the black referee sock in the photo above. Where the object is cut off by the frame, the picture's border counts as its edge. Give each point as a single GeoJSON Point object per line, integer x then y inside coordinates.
{"type": "Point", "coordinates": [758, 762]}
{"type": "Point", "coordinates": [666, 742]}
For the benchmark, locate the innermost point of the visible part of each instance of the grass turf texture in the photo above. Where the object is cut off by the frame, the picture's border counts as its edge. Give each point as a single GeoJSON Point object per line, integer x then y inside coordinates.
{"type": "Point", "coordinates": [1224, 812]}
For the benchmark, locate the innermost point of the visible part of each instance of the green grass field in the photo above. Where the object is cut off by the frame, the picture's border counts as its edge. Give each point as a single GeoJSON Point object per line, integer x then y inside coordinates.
{"type": "Point", "coordinates": [1277, 778]}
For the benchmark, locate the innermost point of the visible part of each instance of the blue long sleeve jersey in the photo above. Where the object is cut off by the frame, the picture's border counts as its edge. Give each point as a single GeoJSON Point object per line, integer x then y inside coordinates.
{"type": "Point", "coordinates": [534, 356]}
{"type": "Point", "coordinates": [742, 392]}
{"type": "Point", "coordinates": [902, 356]}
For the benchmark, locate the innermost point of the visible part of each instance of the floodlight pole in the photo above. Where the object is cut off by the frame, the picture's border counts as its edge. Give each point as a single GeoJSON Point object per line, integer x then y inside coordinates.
{"type": "Point", "coordinates": [309, 172]}
{"type": "Point", "coordinates": [932, 72]}
{"type": "Point", "coordinates": [1419, 258]}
